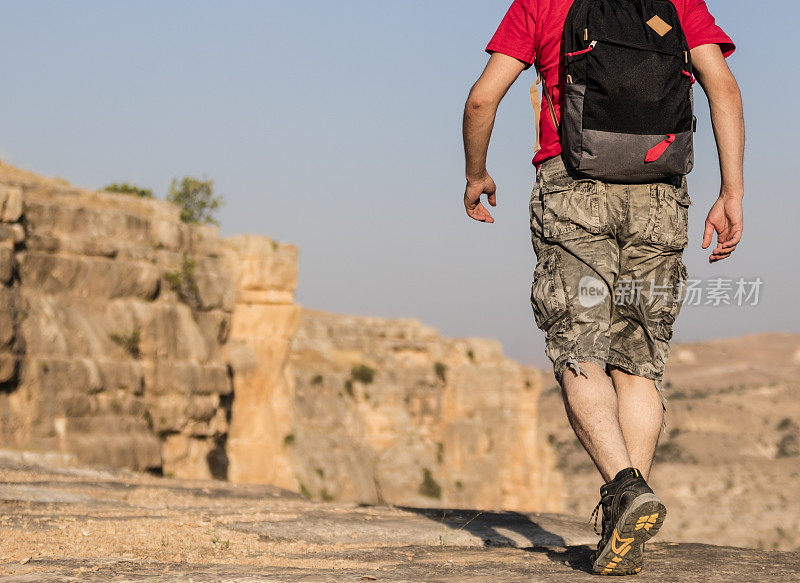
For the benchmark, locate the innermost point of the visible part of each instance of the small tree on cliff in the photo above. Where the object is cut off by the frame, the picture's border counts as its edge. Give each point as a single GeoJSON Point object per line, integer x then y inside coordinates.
{"type": "Point", "coordinates": [196, 198]}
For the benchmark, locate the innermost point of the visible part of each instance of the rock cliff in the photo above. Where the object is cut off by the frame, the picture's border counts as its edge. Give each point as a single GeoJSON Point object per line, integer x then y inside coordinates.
{"type": "Point", "coordinates": [130, 339]}
{"type": "Point", "coordinates": [122, 328]}
{"type": "Point", "coordinates": [388, 411]}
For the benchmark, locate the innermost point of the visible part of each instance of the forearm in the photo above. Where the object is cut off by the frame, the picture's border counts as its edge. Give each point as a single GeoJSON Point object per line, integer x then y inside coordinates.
{"type": "Point", "coordinates": [479, 116]}
{"type": "Point", "coordinates": [727, 118]}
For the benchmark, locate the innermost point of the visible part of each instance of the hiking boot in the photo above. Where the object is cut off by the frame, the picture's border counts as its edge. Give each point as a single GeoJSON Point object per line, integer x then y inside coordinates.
{"type": "Point", "coordinates": [632, 514]}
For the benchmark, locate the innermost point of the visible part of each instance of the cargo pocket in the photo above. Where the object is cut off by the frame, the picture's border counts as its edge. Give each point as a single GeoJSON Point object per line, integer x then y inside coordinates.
{"type": "Point", "coordinates": [669, 215]}
{"type": "Point", "coordinates": [548, 294]}
{"type": "Point", "coordinates": [573, 210]}
{"type": "Point", "coordinates": [673, 301]}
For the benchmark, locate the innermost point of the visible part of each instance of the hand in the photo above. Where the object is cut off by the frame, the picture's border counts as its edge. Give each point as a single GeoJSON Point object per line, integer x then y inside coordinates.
{"type": "Point", "coordinates": [472, 197]}
{"type": "Point", "coordinates": [725, 217]}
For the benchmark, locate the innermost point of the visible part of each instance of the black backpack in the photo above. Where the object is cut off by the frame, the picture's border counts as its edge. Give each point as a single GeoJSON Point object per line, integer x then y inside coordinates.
{"type": "Point", "coordinates": [627, 104]}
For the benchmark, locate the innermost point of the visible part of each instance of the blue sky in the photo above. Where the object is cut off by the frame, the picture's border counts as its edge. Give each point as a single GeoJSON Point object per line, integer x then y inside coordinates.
{"type": "Point", "coordinates": [336, 126]}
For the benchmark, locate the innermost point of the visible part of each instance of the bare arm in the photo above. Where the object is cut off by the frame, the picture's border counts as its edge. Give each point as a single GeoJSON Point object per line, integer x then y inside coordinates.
{"type": "Point", "coordinates": [725, 101]}
{"type": "Point", "coordinates": [500, 73]}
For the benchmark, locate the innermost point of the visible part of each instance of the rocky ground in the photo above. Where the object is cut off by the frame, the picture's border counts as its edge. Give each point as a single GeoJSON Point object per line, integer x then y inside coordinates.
{"type": "Point", "coordinates": [81, 524]}
{"type": "Point", "coordinates": [728, 467]}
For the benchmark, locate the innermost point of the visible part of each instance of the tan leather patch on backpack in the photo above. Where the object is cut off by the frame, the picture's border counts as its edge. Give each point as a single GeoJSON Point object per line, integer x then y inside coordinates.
{"type": "Point", "coordinates": [658, 25]}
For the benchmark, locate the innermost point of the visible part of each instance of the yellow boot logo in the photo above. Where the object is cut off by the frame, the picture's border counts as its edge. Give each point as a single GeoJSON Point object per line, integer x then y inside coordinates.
{"type": "Point", "coordinates": [646, 522]}
{"type": "Point", "coordinates": [625, 544]}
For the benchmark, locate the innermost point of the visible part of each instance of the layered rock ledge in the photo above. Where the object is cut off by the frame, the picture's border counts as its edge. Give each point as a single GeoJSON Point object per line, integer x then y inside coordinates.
{"type": "Point", "coordinates": [125, 333]}
{"type": "Point", "coordinates": [132, 340]}
{"type": "Point", "coordinates": [81, 524]}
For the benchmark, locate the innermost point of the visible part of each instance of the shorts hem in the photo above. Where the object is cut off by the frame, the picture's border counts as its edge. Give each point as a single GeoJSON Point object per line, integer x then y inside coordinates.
{"type": "Point", "coordinates": [617, 359]}
{"type": "Point", "coordinates": [566, 360]}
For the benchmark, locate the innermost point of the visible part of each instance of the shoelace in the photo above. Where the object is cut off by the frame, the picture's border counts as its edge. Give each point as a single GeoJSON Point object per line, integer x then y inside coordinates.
{"type": "Point", "coordinates": [595, 515]}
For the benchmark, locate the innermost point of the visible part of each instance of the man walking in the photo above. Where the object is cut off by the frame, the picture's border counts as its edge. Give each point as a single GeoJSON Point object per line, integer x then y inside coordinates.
{"type": "Point", "coordinates": [609, 277]}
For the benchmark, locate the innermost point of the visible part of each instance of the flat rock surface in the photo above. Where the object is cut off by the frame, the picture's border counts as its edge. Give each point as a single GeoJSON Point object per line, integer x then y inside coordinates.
{"type": "Point", "coordinates": [78, 524]}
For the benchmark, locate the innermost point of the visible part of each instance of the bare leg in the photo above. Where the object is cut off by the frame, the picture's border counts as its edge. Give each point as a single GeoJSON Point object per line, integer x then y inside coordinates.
{"type": "Point", "coordinates": [591, 404]}
{"type": "Point", "coordinates": [640, 417]}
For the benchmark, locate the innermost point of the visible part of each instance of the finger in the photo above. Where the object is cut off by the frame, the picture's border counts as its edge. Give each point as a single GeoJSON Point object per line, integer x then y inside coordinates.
{"type": "Point", "coordinates": [708, 234]}
{"type": "Point", "coordinates": [492, 198]}
{"type": "Point", "coordinates": [472, 208]}
{"type": "Point", "coordinates": [475, 214]}
{"type": "Point", "coordinates": [725, 246]}
{"type": "Point", "coordinates": [718, 256]}
{"type": "Point", "coordinates": [484, 213]}
{"type": "Point", "coordinates": [479, 213]}
{"type": "Point", "coordinates": [734, 239]}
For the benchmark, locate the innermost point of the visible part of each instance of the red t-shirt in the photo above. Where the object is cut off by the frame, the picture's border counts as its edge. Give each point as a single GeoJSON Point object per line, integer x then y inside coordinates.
{"type": "Point", "coordinates": [532, 31]}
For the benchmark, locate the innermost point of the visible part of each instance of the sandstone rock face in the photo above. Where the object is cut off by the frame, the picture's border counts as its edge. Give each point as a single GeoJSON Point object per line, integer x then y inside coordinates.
{"type": "Point", "coordinates": [116, 322]}
{"type": "Point", "coordinates": [264, 321]}
{"type": "Point", "coordinates": [131, 339]}
{"type": "Point", "coordinates": [388, 411]}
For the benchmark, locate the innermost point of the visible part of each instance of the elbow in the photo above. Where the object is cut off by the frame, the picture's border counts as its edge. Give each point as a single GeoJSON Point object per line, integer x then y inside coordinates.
{"type": "Point", "coordinates": [722, 87]}
{"type": "Point", "coordinates": [730, 88]}
{"type": "Point", "coordinates": [726, 96]}
{"type": "Point", "coordinates": [479, 101]}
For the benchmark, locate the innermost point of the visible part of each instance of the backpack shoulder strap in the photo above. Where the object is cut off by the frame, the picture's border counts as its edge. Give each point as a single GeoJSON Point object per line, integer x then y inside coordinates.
{"type": "Point", "coordinates": [550, 102]}
{"type": "Point", "coordinates": [537, 104]}
{"type": "Point", "coordinates": [537, 111]}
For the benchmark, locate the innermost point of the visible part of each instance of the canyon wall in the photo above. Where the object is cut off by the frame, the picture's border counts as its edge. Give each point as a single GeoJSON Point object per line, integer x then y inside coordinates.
{"type": "Point", "coordinates": [131, 339]}
{"type": "Point", "coordinates": [122, 326]}
{"type": "Point", "coordinates": [264, 321]}
{"type": "Point", "coordinates": [388, 410]}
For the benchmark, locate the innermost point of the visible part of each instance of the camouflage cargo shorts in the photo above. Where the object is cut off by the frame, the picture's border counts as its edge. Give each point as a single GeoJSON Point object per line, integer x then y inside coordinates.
{"type": "Point", "coordinates": [609, 280]}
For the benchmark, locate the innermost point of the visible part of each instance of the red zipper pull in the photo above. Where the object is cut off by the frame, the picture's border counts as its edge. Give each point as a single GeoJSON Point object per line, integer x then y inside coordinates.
{"type": "Point", "coordinates": [655, 152]}
{"type": "Point", "coordinates": [586, 50]}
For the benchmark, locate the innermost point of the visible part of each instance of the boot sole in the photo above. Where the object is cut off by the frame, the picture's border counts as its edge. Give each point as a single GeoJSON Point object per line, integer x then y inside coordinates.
{"type": "Point", "coordinates": [640, 522]}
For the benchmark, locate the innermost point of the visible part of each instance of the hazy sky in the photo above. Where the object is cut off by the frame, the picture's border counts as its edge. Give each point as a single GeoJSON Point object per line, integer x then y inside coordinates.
{"type": "Point", "coordinates": [336, 126]}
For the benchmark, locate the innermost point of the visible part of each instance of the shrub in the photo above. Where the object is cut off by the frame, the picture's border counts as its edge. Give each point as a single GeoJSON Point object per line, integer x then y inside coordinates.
{"type": "Point", "coordinates": [196, 199]}
{"type": "Point", "coordinates": [788, 446]}
{"type": "Point", "coordinates": [177, 278]}
{"type": "Point", "coordinates": [148, 418]}
{"type": "Point", "coordinates": [184, 283]}
{"type": "Point", "coordinates": [125, 188]}
{"type": "Point", "coordinates": [130, 342]}
{"type": "Point", "coordinates": [317, 380]}
{"type": "Point", "coordinates": [471, 355]}
{"type": "Point", "coordinates": [363, 373]}
{"type": "Point", "coordinates": [429, 487]}
{"type": "Point", "coordinates": [441, 371]}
